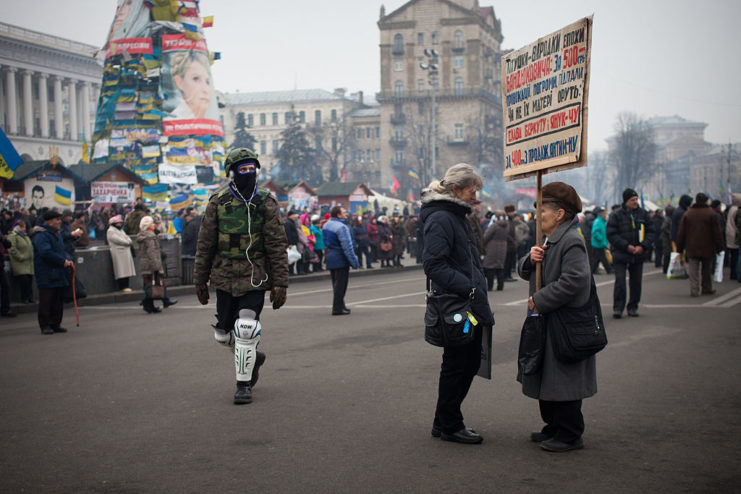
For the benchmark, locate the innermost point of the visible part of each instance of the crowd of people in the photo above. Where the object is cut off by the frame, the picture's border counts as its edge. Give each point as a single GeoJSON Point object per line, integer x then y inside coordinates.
{"type": "Point", "coordinates": [244, 245]}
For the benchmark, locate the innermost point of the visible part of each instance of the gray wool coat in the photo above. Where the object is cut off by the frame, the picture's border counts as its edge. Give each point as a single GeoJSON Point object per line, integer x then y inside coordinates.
{"type": "Point", "coordinates": [566, 282]}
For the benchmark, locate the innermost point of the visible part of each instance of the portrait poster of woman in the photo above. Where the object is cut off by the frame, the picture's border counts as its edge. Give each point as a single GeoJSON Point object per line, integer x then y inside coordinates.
{"type": "Point", "coordinates": [187, 81]}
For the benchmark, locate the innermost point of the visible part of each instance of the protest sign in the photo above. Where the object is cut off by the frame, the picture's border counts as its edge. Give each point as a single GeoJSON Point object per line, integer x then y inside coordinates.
{"type": "Point", "coordinates": [546, 87]}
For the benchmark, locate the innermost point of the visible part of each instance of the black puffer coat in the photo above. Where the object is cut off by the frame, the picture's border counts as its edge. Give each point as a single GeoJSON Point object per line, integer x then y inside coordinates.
{"type": "Point", "coordinates": [450, 251]}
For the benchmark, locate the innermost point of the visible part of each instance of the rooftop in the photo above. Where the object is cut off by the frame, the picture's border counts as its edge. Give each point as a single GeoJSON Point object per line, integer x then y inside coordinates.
{"type": "Point", "coordinates": [295, 95]}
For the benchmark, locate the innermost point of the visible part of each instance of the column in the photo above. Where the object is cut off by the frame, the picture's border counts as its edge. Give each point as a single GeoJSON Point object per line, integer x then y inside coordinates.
{"type": "Point", "coordinates": [44, 104]}
{"type": "Point", "coordinates": [27, 103]}
{"type": "Point", "coordinates": [58, 108]}
{"type": "Point", "coordinates": [11, 99]}
{"type": "Point", "coordinates": [72, 105]}
{"type": "Point", "coordinates": [86, 110]}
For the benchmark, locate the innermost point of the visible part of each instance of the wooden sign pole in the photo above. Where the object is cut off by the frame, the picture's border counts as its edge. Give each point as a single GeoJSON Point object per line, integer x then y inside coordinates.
{"type": "Point", "coordinates": [539, 230]}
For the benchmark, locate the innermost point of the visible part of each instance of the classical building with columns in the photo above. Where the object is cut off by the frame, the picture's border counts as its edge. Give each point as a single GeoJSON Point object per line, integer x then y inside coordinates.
{"type": "Point", "coordinates": [49, 89]}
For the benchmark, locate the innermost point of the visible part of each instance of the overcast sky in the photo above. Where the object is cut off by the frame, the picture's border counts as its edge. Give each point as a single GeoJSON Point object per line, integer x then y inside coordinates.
{"type": "Point", "coordinates": [650, 57]}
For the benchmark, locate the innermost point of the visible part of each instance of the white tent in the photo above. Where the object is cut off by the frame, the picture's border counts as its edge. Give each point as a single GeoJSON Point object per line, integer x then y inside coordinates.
{"type": "Point", "coordinates": [390, 203]}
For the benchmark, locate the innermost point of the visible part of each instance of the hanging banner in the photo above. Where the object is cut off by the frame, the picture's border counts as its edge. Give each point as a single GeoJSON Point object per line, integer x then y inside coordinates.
{"type": "Point", "coordinates": [179, 174]}
{"type": "Point", "coordinates": [546, 86]}
{"type": "Point", "coordinates": [113, 192]}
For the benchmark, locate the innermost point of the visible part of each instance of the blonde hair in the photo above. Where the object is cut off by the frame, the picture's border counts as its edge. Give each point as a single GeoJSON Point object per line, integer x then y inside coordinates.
{"type": "Point", "coordinates": [459, 176]}
{"type": "Point", "coordinates": [181, 61]}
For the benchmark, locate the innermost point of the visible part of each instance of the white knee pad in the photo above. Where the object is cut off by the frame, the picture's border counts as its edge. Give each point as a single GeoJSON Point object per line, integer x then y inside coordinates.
{"type": "Point", "coordinates": [247, 332]}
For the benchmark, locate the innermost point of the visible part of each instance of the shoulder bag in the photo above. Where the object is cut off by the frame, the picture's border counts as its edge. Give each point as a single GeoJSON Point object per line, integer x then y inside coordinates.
{"type": "Point", "coordinates": [578, 333]}
{"type": "Point", "coordinates": [448, 318]}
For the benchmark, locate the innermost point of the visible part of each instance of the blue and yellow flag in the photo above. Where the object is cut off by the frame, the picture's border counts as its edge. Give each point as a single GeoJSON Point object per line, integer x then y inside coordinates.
{"type": "Point", "coordinates": [413, 173]}
{"type": "Point", "coordinates": [485, 192]}
{"type": "Point", "coordinates": [62, 195]}
{"type": "Point", "coordinates": [9, 158]}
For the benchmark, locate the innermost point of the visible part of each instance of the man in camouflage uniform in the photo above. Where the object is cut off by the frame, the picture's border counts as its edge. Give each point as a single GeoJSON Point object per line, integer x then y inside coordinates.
{"type": "Point", "coordinates": [242, 249]}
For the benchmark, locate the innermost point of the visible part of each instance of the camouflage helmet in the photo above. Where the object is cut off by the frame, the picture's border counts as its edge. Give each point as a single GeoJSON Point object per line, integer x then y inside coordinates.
{"type": "Point", "coordinates": [238, 156]}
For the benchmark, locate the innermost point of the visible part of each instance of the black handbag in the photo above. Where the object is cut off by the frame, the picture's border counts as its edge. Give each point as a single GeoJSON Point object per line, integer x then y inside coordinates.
{"type": "Point", "coordinates": [532, 345]}
{"type": "Point", "coordinates": [447, 321]}
{"type": "Point", "coordinates": [578, 333]}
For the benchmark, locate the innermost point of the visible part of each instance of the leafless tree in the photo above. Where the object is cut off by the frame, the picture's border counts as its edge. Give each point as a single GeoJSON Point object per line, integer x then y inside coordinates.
{"type": "Point", "coordinates": [635, 153]}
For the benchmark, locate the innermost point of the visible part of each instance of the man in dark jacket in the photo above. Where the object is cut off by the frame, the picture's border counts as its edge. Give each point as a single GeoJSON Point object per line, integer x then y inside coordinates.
{"type": "Point", "coordinates": [49, 261]}
{"type": "Point", "coordinates": [291, 235]}
{"type": "Point", "coordinates": [191, 225]}
{"type": "Point", "coordinates": [684, 203]}
{"type": "Point", "coordinates": [338, 244]}
{"type": "Point", "coordinates": [631, 235]}
{"type": "Point", "coordinates": [699, 234]}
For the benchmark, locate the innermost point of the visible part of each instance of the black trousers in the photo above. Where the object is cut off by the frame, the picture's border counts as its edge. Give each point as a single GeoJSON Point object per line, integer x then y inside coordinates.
{"type": "Point", "coordinates": [636, 278]}
{"type": "Point", "coordinates": [509, 263]}
{"type": "Point", "coordinates": [4, 290]}
{"type": "Point", "coordinates": [363, 251]}
{"type": "Point", "coordinates": [51, 307]}
{"type": "Point", "coordinates": [733, 254]}
{"type": "Point", "coordinates": [318, 265]}
{"type": "Point", "coordinates": [340, 277]}
{"type": "Point", "coordinates": [122, 283]}
{"type": "Point", "coordinates": [564, 420]}
{"type": "Point", "coordinates": [599, 256]}
{"type": "Point", "coordinates": [457, 371]}
{"type": "Point", "coordinates": [490, 273]}
{"type": "Point", "coordinates": [228, 307]}
{"type": "Point", "coordinates": [25, 285]}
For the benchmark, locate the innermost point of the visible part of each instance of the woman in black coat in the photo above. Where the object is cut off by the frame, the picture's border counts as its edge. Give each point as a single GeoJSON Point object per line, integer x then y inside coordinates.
{"type": "Point", "coordinates": [451, 262]}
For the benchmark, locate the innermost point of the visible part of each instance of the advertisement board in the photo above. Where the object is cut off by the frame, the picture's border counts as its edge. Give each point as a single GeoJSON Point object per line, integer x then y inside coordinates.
{"type": "Point", "coordinates": [113, 192]}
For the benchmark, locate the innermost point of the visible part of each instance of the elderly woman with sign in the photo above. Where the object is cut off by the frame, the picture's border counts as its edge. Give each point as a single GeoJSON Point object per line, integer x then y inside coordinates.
{"type": "Point", "coordinates": [559, 386]}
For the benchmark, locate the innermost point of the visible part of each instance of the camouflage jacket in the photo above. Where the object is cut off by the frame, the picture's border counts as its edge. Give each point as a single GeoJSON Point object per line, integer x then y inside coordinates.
{"type": "Point", "coordinates": [240, 275]}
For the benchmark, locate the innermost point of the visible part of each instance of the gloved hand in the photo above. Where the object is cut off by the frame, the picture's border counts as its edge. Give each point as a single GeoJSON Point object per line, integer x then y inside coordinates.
{"type": "Point", "coordinates": [278, 296]}
{"type": "Point", "coordinates": [202, 294]}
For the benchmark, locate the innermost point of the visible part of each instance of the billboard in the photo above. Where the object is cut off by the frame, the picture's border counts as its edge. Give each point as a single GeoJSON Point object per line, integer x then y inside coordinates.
{"type": "Point", "coordinates": [546, 86]}
{"type": "Point", "coordinates": [49, 189]}
{"type": "Point", "coordinates": [113, 192]}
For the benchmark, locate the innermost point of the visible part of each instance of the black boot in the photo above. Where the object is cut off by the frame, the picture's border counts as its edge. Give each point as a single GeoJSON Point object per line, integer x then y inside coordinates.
{"type": "Point", "coordinates": [243, 394]}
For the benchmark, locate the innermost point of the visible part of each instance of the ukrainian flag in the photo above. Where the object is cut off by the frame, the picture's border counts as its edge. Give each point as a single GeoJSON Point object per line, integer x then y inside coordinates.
{"type": "Point", "coordinates": [413, 173]}
{"type": "Point", "coordinates": [180, 202]}
{"type": "Point", "coordinates": [63, 196]}
{"type": "Point", "coordinates": [485, 192]}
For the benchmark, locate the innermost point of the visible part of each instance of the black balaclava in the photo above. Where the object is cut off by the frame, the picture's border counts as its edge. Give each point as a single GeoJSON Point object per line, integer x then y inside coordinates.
{"type": "Point", "coordinates": [245, 182]}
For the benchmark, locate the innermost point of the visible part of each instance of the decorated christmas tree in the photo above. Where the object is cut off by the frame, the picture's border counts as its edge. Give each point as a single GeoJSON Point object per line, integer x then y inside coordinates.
{"type": "Point", "coordinates": [157, 112]}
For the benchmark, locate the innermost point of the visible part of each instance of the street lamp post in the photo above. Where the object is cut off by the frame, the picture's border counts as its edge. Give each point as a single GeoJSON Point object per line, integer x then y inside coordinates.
{"type": "Point", "coordinates": [432, 71]}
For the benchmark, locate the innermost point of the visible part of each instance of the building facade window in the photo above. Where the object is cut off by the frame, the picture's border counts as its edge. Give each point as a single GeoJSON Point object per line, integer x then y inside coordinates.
{"type": "Point", "coordinates": [275, 118]}
{"type": "Point", "coordinates": [458, 86]}
{"type": "Point", "coordinates": [458, 40]}
{"type": "Point", "coordinates": [421, 107]}
{"type": "Point", "coordinates": [302, 116]}
{"type": "Point", "coordinates": [399, 89]}
{"type": "Point", "coordinates": [420, 38]}
{"type": "Point", "coordinates": [263, 147]}
{"type": "Point", "coordinates": [368, 131]}
{"type": "Point", "coordinates": [398, 44]}
{"type": "Point", "coordinates": [318, 142]}
{"type": "Point", "coordinates": [318, 118]}
{"type": "Point", "coordinates": [459, 131]}
{"type": "Point", "coordinates": [378, 131]}
{"type": "Point", "coordinates": [378, 154]}
{"type": "Point", "coordinates": [458, 61]}
{"type": "Point", "coordinates": [368, 155]}
{"type": "Point", "coordinates": [435, 38]}
{"type": "Point", "coordinates": [262, 119]}
{"type": "Point", "coordinates": [399, 157]}
{"type": "Point", "coordinates": [420, 85]}
{"type": "Point", "coordinates": [276, 146]}
{"type": "Point", "coordinates": [358, 133]}
{"type": "Point", "coordinates": [334, 115]}
{"type": "Point", "coordinates": [250, 120]}
{"type": "Point", "coordinates": [288, 117]}
{"type": "Point", "coordinates": [398, 133]}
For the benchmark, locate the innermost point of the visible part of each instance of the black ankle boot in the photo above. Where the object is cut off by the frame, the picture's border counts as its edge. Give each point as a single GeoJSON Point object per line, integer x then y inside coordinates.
{"type": "Point", "coordinates": [243, 394]}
